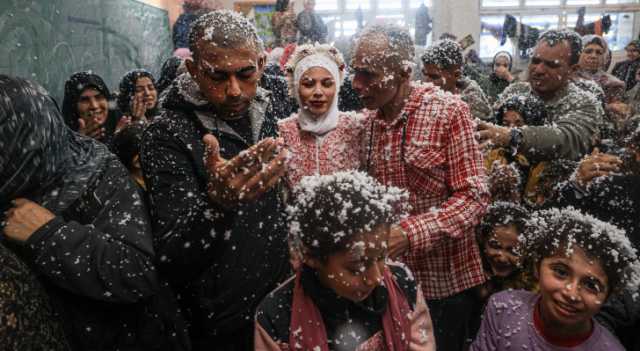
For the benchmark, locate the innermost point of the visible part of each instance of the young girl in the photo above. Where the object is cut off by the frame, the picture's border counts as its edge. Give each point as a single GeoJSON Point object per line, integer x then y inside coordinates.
{"type": "Point", "coordinates": [498, 239]}
{"type": "Point", "coordinates": [321, 139]}
{"type": "Point", "coordinates": [579, 261]}
{"type": "Point", "coordinates": [346, 296]}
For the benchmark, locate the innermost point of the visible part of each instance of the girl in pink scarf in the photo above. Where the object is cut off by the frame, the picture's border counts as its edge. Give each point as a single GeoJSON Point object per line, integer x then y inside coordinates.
{"type": "Point", "coordinates": [346, 295]}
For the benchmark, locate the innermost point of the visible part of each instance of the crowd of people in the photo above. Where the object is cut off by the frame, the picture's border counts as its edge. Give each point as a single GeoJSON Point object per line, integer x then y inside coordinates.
{"type": "Point", "coordinates": [311, 199]}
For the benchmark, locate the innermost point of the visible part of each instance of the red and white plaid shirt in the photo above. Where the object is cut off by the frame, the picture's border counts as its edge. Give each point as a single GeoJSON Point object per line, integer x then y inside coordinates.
{"type": "Point", "coordinates": [438, 162]}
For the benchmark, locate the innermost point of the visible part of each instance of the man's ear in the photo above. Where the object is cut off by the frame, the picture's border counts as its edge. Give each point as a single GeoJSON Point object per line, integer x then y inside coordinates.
{"type": "Point", "coordinates": [262, 62]}
{"type": "Point", "coordinates": [191, 67]}
{"type": "Point", "coordinates": [405, 73]}
{"type": "Point", "coordinates": [135, 163]}
{"type": "Point", "coordinates": [457, 72]}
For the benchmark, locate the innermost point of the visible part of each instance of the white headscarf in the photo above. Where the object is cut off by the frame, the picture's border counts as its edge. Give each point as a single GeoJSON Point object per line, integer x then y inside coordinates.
{"type": "Point", "coordinates": [327, 122]}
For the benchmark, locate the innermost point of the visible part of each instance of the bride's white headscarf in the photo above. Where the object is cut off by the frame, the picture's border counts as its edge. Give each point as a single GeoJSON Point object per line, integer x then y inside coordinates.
{"type": "Point", "coordinates": [321, 57]}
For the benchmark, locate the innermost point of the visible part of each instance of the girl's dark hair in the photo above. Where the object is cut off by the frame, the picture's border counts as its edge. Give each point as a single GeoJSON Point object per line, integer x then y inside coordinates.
{"type": "Point", "coordinates": [501, 213]}
{"type": "Point", "coordinates": [531, 109]}
{"type": "Point", "coordinates": [330, 210]}
{"type": "Point", "coordinates": [126, 143]}
{"type": "Point", "coordinates": [556, 231]}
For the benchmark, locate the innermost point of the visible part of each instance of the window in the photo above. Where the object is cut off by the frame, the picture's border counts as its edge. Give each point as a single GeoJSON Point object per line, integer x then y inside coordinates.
{"type": "Point", "coordinates": [390, 4]}
{"type": "Point", "coordinates": [489, 37]}
{"type": "Point", "coordinates": [349, 28]}
{"type": "Point", "coordinates": [542, 22]}
{"type": "Point", "coordinates": [583, 2]}
{"type": "Point", "coordinates": [354, 4]}
{"type": "Point", "coordinates": [340, 15]}
{"type": "Point", "coordinates": [396, 19]}
{"type": "Point", "coordinates": [326, 5]}
{"type": "Point", "coordinates": [553, 14]}
{"type": "Point", "coordinates": [500, 3]}
{"type": "Point", "coordinates": [542, 2]}
{"type": "Point", "coordinates": [414, 4]}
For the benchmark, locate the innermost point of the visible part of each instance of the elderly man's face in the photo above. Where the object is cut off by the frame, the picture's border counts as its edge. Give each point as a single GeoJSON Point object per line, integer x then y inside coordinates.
{"type": "Point", "coordinates": [592, 58]}
{"type": "Point", "coordinates": [227, 77]}
{"type": "Point", "coordinates": [376, 79]}
{"type": "Point", "coordinates": [550, 68]}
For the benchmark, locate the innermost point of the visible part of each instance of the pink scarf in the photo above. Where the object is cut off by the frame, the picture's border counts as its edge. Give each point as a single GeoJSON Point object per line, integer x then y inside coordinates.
{"type": "Point", "coordinates": [308, 331]}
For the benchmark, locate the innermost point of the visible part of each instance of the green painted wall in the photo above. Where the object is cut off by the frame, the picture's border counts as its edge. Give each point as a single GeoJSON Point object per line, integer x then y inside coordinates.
{"type": "Point", "coordinates": [48, 40]}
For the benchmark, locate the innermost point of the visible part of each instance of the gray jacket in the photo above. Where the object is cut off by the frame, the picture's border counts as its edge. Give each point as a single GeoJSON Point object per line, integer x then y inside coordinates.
{"type": "Point", "coordinates": [575, 117]}
{"type": "Point", "coordinates": [473, 95]}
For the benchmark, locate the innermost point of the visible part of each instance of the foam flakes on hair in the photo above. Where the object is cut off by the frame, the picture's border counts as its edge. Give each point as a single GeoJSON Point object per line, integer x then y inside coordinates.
{"type": "Point", "coordinates": [443, 53]}
{"type": "Point", "coordinates": [391, 202]}
{"type": "Point", "coordinates": [225, 28]}
{"type": "Point", "coordinates": [549, 227]}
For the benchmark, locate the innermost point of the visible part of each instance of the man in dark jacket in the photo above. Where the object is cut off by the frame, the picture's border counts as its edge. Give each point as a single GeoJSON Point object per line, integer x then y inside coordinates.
{"type": "Point", "coordinates": [310, 25]}
{"type": "Point", "coordinates": [218, 225]}
{"type": "Point", "coordinates": [75, 217]}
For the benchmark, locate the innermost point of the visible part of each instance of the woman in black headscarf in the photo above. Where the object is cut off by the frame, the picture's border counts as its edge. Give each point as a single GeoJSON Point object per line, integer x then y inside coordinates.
{"type": "Point", "coordinates": [138, 97]}
{"type": "Point", "coordinates": [75, 216]}
{"type": "Point", "coordinates": [86, 108]}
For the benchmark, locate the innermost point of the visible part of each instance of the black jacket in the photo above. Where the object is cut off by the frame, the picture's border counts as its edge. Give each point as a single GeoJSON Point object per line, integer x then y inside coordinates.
{"type": "Point", "coordinates": [222, 262]}
{"type": "Point", "coordinates": [614, 199]}
{"type": "Point", "coordinates": [95, 258]}
{"type": "Point", "coordinates": [274, 313]}
{"type": "Point", "coordinates": [97, 263]}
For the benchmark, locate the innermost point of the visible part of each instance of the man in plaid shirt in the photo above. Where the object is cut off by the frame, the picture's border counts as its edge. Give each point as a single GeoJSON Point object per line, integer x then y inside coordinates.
{"type": "Point", "coordinates": [421, 139]}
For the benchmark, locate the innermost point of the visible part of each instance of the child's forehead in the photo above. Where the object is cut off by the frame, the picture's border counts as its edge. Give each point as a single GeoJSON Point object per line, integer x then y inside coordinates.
{"type": "Point", "coordinates": [368, 243]}
{"type": "Point", "coordinates": [576, 257]}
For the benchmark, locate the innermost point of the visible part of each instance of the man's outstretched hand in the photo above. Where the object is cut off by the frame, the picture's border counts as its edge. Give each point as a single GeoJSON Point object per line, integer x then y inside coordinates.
{"type": "Point", "coordinates": [246, 176]}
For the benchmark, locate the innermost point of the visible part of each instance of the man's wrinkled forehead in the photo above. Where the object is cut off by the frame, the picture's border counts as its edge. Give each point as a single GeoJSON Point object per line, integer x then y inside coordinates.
{"type": "Point", "coordinates": [372, 50]}
{"type": "Point", "coordinates": [222, 58]}
{"type": "Point", "coordinates": [561, 50]}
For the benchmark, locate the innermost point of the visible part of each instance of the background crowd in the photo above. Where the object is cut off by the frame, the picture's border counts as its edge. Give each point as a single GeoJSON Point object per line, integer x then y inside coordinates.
{"type": "Point", "coordinates": [393, 201]}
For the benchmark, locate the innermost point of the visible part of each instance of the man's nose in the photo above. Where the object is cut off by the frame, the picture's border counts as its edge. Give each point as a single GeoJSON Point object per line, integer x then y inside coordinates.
{"type": "Point", "coordinates": [373, 275]}
{"type": "Point", "coordinates": [233, 89]}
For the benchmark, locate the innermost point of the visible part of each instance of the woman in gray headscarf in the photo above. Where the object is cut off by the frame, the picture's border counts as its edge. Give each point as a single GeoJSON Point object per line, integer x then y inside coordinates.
{"type": "Point", "coordinates": [591, 76]}
{"type": "Point", "coordinates": [591, 66]}
{"type": "Point", "coordinates": [73, 214]}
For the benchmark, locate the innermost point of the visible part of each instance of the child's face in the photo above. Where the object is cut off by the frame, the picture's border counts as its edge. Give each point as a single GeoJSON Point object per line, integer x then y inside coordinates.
{"type": "Point", "coordinates": [572, 290]}
{"type": "Point", "coordinates": [500, 250]}
{"type": "Point", "coordinates": [355, 272]}
{"type": "Point", "coordinates": [512, 119]}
